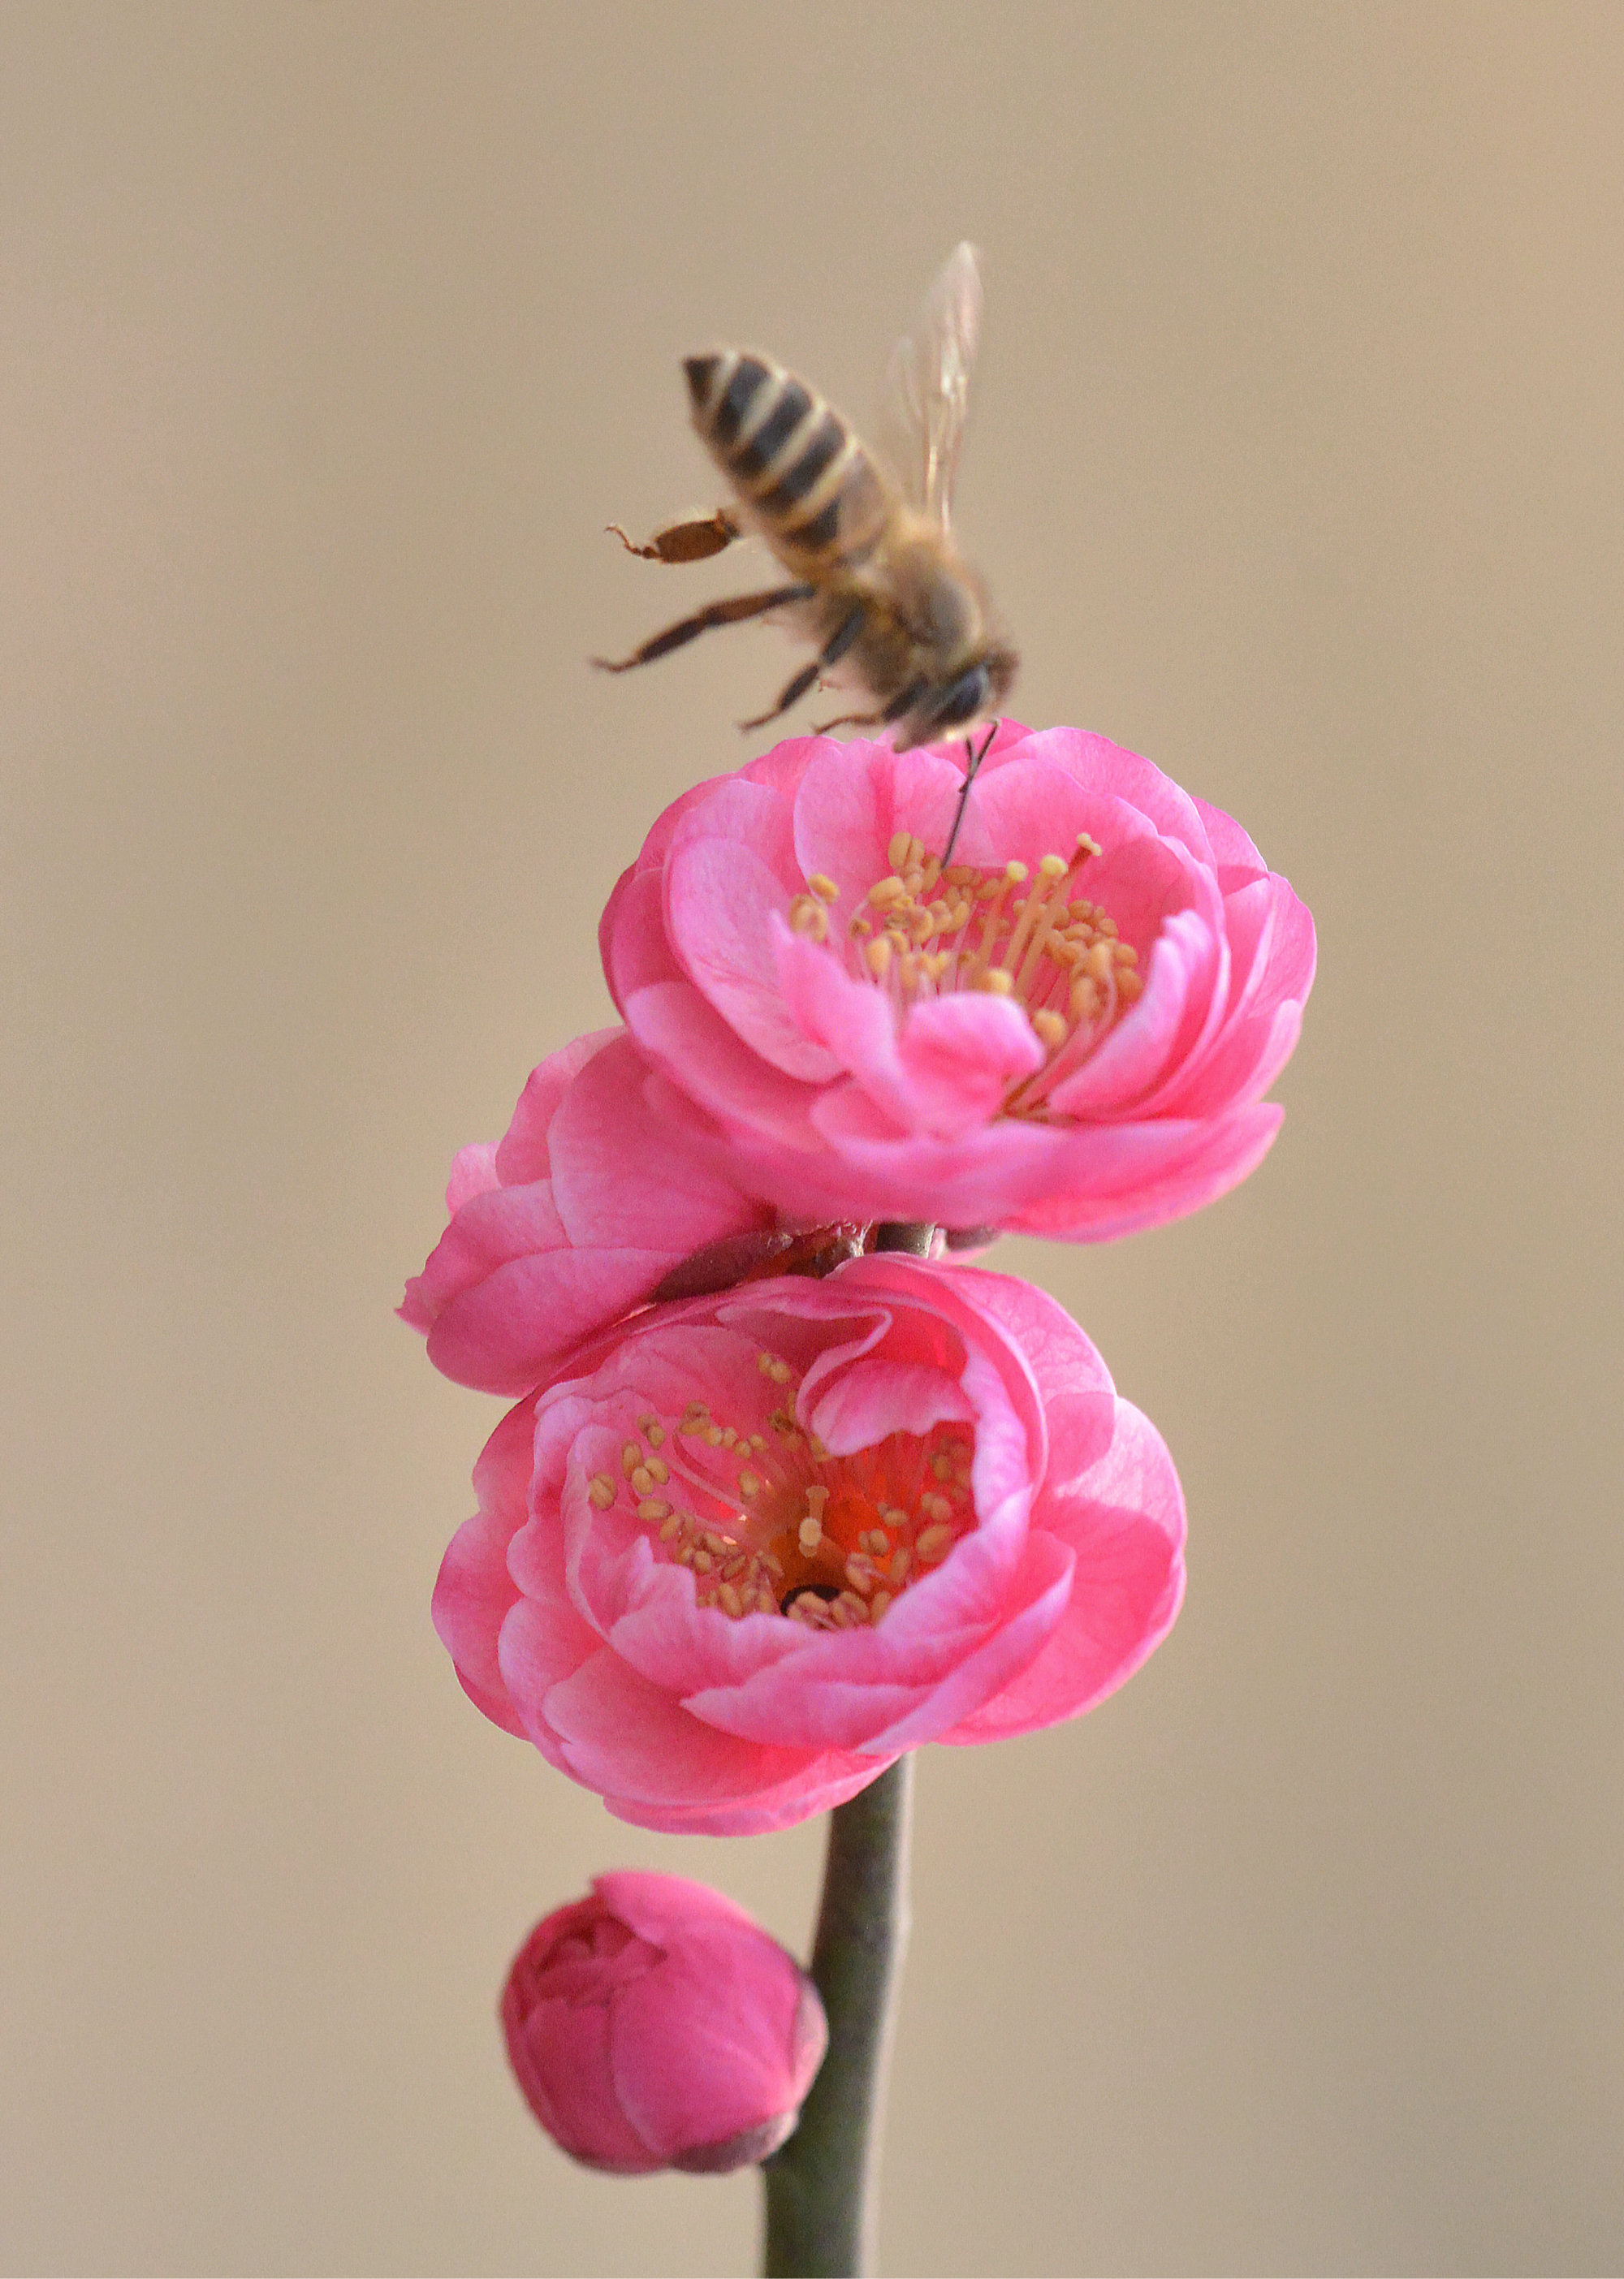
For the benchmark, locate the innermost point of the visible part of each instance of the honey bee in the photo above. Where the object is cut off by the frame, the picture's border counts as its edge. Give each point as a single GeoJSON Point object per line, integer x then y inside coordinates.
{"type": "Point", "coordinates": [875, 576]}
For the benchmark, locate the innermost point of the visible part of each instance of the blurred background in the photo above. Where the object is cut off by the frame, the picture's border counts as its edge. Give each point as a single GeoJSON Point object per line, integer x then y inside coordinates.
{"type": "Point", "coordinates": [330, 338]}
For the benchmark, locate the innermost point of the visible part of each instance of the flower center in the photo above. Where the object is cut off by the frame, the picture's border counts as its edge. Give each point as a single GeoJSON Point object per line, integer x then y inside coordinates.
{"type": "Point", "coordinates": [922, 931]}
{"type": "Point", "coordinates": [769, 1523]}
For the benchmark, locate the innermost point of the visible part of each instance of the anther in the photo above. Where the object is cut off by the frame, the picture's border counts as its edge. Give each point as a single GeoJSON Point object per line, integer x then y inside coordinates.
{"type": "Point", "coordinates": [809, 918]}
{"type": "Point", "coordinates": [934, 1544]}
{"type": "Point", "coordinates": [824, 886]}
{"type": "Point", "coordinates": [654, 1507]}
{"type": "Point", "coordinates": [601, 1489]}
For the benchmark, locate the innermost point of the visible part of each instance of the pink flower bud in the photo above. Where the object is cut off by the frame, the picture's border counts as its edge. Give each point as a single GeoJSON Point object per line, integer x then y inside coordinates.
{"type": "Point", "coordinates": [653, 2025]}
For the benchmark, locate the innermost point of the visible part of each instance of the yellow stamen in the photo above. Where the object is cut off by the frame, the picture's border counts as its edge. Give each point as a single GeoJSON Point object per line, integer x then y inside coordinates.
{"type": "Point", "coordinates": [808, 916]}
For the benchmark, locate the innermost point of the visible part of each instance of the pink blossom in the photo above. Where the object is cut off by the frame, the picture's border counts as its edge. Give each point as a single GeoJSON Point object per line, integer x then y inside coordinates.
{"type": "Point", "coordinates": [1069, 1032]}
{"type": "Point", "coordinates": [653, 2025]}
{"type": "Point", "coordinates": [571, 1219]}
{"type": "Point", "coordinates": [751, 1548]}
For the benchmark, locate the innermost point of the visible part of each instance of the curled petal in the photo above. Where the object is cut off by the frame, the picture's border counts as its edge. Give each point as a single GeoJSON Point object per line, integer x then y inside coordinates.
{"type": "Point", "coordinates": [570, 1222]}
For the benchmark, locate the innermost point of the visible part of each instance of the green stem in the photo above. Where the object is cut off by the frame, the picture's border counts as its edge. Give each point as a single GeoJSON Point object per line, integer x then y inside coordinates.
{"type": "Point", "coordinates": [822, 2196]}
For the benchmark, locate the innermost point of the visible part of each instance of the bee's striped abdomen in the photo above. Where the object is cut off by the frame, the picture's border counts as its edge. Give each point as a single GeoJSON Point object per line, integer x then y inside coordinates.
{"type": "Point", "coordinates": [797, 467]}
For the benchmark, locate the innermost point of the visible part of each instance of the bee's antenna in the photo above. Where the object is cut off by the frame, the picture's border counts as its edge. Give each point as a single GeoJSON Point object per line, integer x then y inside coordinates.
{"type": "Point", "coordinates": [975, 759]}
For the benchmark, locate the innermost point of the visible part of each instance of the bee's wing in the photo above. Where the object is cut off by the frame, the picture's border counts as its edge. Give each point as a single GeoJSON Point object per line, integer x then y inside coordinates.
{"type": "Point", "coordinates": [928, 387]}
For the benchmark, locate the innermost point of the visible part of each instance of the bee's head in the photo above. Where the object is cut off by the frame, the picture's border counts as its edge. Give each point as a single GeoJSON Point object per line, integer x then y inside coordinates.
{"type": "Point", "coordinates": [1000, 665]}
{"type": "Point", "coordinates": [971, 694]}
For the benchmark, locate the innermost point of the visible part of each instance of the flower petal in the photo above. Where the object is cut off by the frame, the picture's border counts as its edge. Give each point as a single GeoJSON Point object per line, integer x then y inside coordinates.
{"type": "Point", "coordinates": [1123, 1521]}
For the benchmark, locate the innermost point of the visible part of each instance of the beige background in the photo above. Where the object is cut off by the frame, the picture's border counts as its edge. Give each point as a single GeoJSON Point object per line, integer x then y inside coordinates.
{"type": "Point", "coordinates": [330, 338]}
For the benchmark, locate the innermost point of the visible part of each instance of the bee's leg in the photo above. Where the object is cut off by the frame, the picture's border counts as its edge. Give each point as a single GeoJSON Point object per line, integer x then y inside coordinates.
{"type": "Point", "coordinates": [893, 710]}
{"type": "Point", "coordinates": [975, 759]}
{"type": "Point", "coordinates": [838, 643]}
{"type": "Point", "coordinates": [691, 540]}
{"type": "Point", "coordinates": [730, 612]}
{"type": "Point", "coordinates": [846, 720]}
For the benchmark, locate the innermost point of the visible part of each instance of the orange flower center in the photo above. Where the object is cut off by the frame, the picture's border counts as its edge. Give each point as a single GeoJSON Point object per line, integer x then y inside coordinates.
{"type": "Point", "coordinates": [769, 1523]}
